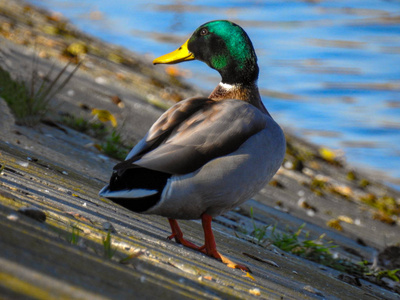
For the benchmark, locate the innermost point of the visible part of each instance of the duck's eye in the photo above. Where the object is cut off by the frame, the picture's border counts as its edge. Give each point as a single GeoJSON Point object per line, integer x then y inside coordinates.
{"type": "Point", "coordinates": [204, 31]}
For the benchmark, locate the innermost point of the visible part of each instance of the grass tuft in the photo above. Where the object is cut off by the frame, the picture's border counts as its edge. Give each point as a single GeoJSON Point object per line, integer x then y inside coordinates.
{"type": "Point", "coordinates": [258, 232]}
{"type": "Point", "coordinates": [73, 238]}
{"type": "Point", "coordinates": [29, 102]}
{"type": "Point", "coordinates": [114, 147]}
{"type": "Point", "coordinates": [109, 251]}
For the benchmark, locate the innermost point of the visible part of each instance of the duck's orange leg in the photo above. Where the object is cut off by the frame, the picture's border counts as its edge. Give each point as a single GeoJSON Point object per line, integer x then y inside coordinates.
{"type": "Point", "coordinates": [211, 247]}
{"type": "Point", "coordinates": [178, 235]}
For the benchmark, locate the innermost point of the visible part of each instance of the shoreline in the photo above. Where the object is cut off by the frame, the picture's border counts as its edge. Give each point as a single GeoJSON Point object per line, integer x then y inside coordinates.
{"type": "Point", "coordinates": [366, 159]}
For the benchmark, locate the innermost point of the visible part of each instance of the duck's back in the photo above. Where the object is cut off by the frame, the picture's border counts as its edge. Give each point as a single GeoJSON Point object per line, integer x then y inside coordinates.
{"type": "Point", "coordinates": [228, 180]}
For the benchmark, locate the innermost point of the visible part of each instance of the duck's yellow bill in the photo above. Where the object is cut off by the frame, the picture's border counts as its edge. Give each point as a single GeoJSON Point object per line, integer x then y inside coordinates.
{"type": "Point", "coordinates": [177, 56]}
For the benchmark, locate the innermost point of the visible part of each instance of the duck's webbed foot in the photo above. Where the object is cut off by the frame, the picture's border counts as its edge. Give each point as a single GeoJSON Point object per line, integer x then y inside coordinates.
{"type": "Point", "coordinates": [178, 235]}
{"type": "Point", "coordinates": [210, 247]}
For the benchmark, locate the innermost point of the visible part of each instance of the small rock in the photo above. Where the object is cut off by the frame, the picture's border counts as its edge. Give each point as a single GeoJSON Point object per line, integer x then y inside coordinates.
{"type": "Point", "coordinates": [12, 217]}
{"type": "Point", "coordinates": [349, 279]}
{"type": "Point", "coordinates": [107, 226]}
{"type": "Point", "coordinates": [34, 213]}
{"type": "Point", "coordinates": [313, 290]}
{"type": "Point", "coordinates": [100, 80]}
{"type": "Point", "coordinates": [24, 164]}
{"type": "Point", "coordinates": [7, 119]}
{"type": "Point", "coordinates": [288, 165]}
{"type": "Point", "coordinates": [310, 213]}
{"type": "Point", "coordinates": [103, 157]}
{"type": "Point", "coordinates": [389, 258]}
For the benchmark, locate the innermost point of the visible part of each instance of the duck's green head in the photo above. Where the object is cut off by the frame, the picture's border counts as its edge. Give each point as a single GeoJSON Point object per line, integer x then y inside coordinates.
{"type": "Point", "coordinates": [222, 45]}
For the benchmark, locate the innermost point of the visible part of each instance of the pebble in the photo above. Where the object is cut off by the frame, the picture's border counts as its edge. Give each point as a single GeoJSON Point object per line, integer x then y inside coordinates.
{"type": "Point", "coordinates": [12, 217]}
{"type": "Point", "coordinates": [24, 164]}
{"type": "Point", "coordinates": [107, 226]}
{"type": "Point", "coordinates": [255, 292]}
{"type": "Point", "coordinates": [313, 290]}
{"type": "Point", "coordinates": [100, 80]}
{"type": "Point", "coordinates": [34, 213]}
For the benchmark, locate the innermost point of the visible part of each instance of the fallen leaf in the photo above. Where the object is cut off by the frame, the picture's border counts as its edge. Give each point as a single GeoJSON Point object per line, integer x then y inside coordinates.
{"type": "Point", "coordinates": [335, 224]}
{"type": "Point", "coordinates": [249, 276]}
{"type": "Point", "coordinates": [104, 116]}
{"type": "Point", "coordinates": [117, 100]}
{"type": "Point", "coordinates": [346, 219]}
{"type": "Point", "coordinates": [384, 217]}
{"type": "Point", "coordinates": [128, 259]}
{"type": "Point", "coordinates": [76, 48]}
{"type": "Point", "coordinates": [79, 217]}
{"type": "Point", "coordinates": [98, 147]}
{"type": "Point", "coordinates": [342, 190]}
{"type": "Point", "coordinates": [255, 292]}
{"type": "Point", "coordinates": [173, 71]}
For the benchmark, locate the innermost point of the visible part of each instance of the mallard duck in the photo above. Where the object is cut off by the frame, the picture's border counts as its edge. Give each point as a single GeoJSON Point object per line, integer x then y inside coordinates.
{"type": "Point", "coordinates": [204, 156]}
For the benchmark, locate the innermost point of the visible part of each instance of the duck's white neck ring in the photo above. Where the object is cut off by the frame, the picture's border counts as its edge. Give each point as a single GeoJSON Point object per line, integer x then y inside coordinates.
{"type": "Point", "coordinates": [227, 86]}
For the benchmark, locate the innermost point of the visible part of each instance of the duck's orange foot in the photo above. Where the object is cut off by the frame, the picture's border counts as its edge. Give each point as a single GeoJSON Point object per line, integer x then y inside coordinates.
{"type": "Point", "coordinates": [210, 248]}
{"type": "Point", "coordinates": [178, 236]}
{"type": "Point", "coordinates": [228, 262]}
{"type": "Point", "coordinates": [182, 241]}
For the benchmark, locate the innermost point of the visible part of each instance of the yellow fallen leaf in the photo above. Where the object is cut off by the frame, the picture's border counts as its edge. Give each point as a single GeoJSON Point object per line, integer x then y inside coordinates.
{"type": "Point", "coordinates": [116, 58]}
{"type": "Point", "coordinates": [173, 71]}
{"type": "Point", "coordinates": [346, 219]}
{"type": "Point", "coordinates": [249, 276]}
{"type": "Point", "coordinates": [77, 48]}
{"type": "Point", "coordinates": [327, 154]}
{"type": "Point", "coordinates": [255, 292]}
{"type": "Point", "coordinates": [335, 224]}
{"type": "Point", "coordinates": [342, 190]}
{"type": "Point", "coordinates": [104, 116]}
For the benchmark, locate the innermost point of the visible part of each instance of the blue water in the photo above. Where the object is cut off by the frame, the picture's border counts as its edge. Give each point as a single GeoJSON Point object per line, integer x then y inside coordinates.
{"type": "Point", "coordinates": [336, 64]}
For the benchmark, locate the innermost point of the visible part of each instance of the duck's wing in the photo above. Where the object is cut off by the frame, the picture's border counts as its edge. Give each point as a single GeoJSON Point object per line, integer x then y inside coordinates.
{"type": "Point", "coordinates": [192, 133]}
{"type": "Point", "coordinates": [160, 130]}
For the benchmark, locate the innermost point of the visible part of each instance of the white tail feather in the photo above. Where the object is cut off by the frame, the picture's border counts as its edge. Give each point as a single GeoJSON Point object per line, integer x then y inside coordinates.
{"type": "Point", "coordinates": [134, 193]}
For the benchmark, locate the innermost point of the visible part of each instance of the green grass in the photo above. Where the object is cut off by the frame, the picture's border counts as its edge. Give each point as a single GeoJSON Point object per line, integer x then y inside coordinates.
{"type": "Point", "coordinates": [29, 102]}
{"type": "Point", "coordinates": [315, 250]}
{"type": "Point", "coordinates": [113, 146]}
{"type": "Point", "coordinates": [93, 128]}
{"type": "Point", "coordinates": [312, 249]}
{"type": "Point", "coordinates": [109, 251]}
{"type": "Point", "coordinates": [111, 142]}
{"type": "Point", "coordinates": [258, 232]}
{"type": "Point", "coordinates": [391, 274]}
{"type": "Point", "coordinates": [73, 237]}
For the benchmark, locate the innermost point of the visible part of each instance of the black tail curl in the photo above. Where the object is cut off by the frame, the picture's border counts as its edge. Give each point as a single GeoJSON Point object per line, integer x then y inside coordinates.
{"type": "Point", "coordinates": [138, 178]}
